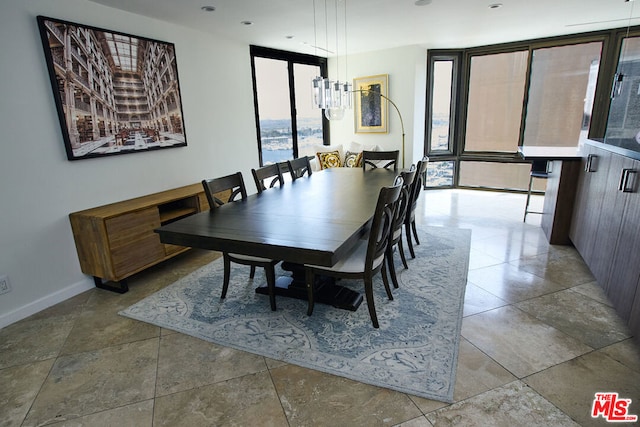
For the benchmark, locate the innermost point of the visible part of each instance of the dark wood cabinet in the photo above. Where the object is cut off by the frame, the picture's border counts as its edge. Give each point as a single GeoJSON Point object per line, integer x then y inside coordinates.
{"type": "Point", "coordinates": [606, 227]}
{"type": "Point", "coordinates": [590, 191]}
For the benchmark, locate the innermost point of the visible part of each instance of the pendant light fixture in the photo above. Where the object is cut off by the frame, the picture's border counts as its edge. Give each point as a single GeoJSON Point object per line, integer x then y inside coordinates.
{"type": "Point", "coordinates": [332, 96]}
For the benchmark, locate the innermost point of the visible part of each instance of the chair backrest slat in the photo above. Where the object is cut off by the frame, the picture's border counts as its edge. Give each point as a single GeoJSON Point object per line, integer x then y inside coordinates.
{"type": "Point", "coordinates": [381, 223]}
{"type": "Point", "coordinates": [299, 167]}
{"type": "Point", "coordinates": [416, 187]}
{"type": "Point", "coordinates": [377, 159]}
{"type": "Point", "coordinates": [232, 184]}
{"type": "Point", "coordinates": [263, 174]}
{"type": "Point", "coordinates": [402, 205]}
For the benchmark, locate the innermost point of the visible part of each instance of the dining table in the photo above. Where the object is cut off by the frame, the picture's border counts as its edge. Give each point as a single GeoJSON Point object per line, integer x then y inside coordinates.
{"type": "Point", "coordinates": [314, 220]}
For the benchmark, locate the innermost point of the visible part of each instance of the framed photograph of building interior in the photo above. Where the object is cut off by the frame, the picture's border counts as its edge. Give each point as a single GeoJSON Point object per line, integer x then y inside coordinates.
{"type": "Point", "coordinates": [115, 93]}
{"type": "Point", "coordinates": [371, 112]}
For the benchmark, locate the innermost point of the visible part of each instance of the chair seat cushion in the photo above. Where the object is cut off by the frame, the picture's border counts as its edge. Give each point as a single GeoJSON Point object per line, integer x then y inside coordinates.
{"type": "Point", "coordinates": [249, 258]}
{"type": "Point", "coordinates": [353, 262]}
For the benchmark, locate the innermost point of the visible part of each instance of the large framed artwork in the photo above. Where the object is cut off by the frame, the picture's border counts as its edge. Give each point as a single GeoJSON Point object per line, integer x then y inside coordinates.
{"type": "Point", "coordinates": [114, 93]}
{"type": "Point", "coordinates": [371, 112]}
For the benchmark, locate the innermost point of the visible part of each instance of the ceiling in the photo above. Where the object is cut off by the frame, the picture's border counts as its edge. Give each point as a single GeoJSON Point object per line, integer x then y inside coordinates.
{"type": "Point", "coordinates": [382, 24]}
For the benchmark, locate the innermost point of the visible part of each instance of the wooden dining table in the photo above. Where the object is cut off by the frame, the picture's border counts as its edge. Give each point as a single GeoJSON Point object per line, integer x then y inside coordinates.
{"type": "Point", "coordinates": [313, 220]}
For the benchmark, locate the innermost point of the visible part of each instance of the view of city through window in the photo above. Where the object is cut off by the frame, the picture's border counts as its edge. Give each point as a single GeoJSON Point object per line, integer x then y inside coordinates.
{"type": "Point", "coordinates": [276, 124]}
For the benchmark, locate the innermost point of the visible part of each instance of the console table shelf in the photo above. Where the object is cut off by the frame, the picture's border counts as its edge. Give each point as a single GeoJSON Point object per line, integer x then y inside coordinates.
{"type": "Point", "coordinates": [117, 240]}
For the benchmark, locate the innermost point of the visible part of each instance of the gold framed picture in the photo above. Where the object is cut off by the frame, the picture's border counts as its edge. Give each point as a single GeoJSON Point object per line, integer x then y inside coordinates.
{"type": "Point", "coordinates": [371, 109]}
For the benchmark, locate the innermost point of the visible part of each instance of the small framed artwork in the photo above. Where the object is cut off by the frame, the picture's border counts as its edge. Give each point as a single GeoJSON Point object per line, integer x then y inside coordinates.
{"type": "Point", "coordinates": [371, 112]}
{"type": "Point", "coordinates": [115, 93]}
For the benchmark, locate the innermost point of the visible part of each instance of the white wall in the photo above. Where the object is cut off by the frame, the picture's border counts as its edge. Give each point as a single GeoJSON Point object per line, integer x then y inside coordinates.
{"type": "Point", "coordinates": [406, 68]}
{"type": "Point", "coordinates": [39, 187]}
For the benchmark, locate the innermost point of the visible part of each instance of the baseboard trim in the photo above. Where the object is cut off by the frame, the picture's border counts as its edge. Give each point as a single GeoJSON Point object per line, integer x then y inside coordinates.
{"type": "Point", "coordinates": [45, 302]}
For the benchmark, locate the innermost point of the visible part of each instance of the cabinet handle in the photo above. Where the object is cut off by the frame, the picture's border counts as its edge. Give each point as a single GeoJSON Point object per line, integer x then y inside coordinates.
{"type": "Point", "coordinates": [588, 167]}
{"type": "Point", "coordinates": [625, 187]}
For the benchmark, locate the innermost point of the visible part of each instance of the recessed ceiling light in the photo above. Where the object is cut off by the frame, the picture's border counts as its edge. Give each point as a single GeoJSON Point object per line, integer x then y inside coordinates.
{"type": "Point", "coordinates": [247, 23]}
{"type": "Point", "coordinates": [208, 8]}
{"type": "Point", "coordinates": [422, 2]}
{"type": "Point", "coordinates": [289, 37]}
{"type": "Point", "coordinates": [495, 6]}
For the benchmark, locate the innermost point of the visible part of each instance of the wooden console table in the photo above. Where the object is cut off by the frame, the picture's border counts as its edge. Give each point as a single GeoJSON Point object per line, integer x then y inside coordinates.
{"type": "Point", "coordinates": [561, 188]}
{"type": "Point", "coordinates": [117, 240]}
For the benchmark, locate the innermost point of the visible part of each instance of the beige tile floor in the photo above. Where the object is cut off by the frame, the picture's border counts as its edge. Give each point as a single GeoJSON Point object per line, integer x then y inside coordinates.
{"type": "Point", "coordinates": [538, 340]}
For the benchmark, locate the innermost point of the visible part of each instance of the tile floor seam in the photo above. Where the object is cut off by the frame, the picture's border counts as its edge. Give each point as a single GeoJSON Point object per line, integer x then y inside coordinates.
{"type": "Point", "coordinates": [277, 392]}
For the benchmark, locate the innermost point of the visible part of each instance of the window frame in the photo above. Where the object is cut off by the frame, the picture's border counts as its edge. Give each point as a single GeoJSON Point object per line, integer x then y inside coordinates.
{"type": "Point", "coordinates": [291, 58]}
{"type": "Point", "coordinates": [611, 40]}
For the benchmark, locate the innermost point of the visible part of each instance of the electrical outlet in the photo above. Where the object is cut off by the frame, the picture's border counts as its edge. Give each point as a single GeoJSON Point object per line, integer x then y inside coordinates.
{"type": "Point", "coordinates": [5, 286]}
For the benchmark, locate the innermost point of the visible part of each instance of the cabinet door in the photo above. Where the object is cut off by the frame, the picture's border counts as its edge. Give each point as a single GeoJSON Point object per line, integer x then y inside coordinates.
{"type": "Point", "coordinates": [634, 319]}
{"type": "Point", "coordinates": [625, 268]}
{"type": "Point", "coordinates": [588, 203]}
{"type": "Point", "coordinates": [132, 242]}
{"type": "Point", "coordinates": [609, 223]}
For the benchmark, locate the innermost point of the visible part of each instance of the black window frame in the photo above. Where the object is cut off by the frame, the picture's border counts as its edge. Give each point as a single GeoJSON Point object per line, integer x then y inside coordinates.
{"type": "Point", "coordinates": [611, 44]}
{"type": "Point", "coordinates": [291, 58]}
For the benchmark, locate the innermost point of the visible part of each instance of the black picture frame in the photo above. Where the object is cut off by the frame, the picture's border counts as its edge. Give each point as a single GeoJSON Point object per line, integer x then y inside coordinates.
{"type": "Point", "coordinates": [115, 93]}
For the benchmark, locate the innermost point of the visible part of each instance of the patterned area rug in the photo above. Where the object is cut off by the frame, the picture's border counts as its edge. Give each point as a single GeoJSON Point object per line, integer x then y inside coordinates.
{"type": "Point", "coordinates": [415, 350]}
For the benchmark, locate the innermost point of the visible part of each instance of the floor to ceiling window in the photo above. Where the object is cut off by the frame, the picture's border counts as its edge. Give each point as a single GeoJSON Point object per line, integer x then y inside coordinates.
{"type": "Point", "coordinates": [288, 125]}
{"type": "Point", "coordinates": [442, 119]}
{"type": "Point", "coordinates": [492, 100]}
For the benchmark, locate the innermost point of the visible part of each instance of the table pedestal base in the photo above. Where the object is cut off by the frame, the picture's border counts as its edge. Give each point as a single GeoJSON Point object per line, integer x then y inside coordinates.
{"type": "Point", "coordinates": [327, 291]}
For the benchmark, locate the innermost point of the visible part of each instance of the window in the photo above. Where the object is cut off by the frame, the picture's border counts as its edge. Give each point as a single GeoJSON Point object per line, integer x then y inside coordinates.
{"type": "Point", "coordinates": [561, 92]}
{"type": "Point", "coordinates": [288, 125]}
{"type": "Point", "coordinates": [494, 107]}
{"type": "Point", "coordinates": [440, 131]}
{"type": "Point", "coordinates": [441, 124]}
{"type": "Point", "coordinates": [540, 92]}
{"type": "Point", "coordinates": [624, 114]}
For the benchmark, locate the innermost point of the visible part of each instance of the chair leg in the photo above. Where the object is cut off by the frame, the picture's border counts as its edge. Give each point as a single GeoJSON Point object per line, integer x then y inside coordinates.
{"type": "Point", "coordinates": [407, 232]}
{"type": "Point", "coordinates": [415, 232]}
{"type": "Point", "coordinates": [252, 273]}
{"type": "Point", "coordinates": [309, 279]}
{"type": "Point", "coordinates": [271, 284]}
{"type": "Point", "coordinates": [368, 290]}
{"type": "Point", "coordinates": [402, 257]}
{"type": "Point", "coordinates": [385, 280]}
{"type": "Point", "coordinates": [227, 275]}
{"type": "Point", "coordinates": [526, 206]}
{"type": "Point", "coordinates": [392, 267]}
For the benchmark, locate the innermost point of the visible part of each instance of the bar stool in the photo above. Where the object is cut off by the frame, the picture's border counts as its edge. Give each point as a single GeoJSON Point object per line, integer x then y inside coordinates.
{"type": "Point", "coordinates": [538, 170]}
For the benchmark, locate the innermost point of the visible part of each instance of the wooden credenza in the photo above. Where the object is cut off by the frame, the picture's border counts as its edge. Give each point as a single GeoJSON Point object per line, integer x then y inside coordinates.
{"type": "Point", "coordinates": [118, 240]}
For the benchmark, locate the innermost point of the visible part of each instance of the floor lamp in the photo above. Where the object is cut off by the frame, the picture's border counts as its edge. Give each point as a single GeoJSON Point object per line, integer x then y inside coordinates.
{"type": "Point", "coordinates": [397, 110]}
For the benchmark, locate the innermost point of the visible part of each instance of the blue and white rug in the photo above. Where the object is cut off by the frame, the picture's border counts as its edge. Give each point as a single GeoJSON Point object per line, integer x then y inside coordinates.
{"type": "Point", "coordinates": [414, 351]}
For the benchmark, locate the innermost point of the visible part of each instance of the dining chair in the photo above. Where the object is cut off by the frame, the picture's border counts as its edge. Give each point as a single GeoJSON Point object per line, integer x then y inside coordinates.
{"type": "Point", "coordinates": [229, 187]}
{"type": "Point", "coordinates": [539, 170]}
{"type": "Point", "coordinates": [377, 159]}
{"type": "Point", "coordinates": [299, 167]}
{"type": "Point", "coordinates": [367, 258]}
{"type": "Point", "coordinates": [400, 213]}
{"type": "Point", "coordinates": [414, 193]}
{"type": "Point", "coordinates": [272, 172]}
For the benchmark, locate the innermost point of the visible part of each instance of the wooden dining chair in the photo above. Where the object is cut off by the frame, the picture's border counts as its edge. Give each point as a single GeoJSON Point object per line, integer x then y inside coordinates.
{"type": "Point", "coordinates": [400, 213]}
{"type": "Point", "coordinates": [229, 187]}
{"type": "Point", "coordinates": [299, 167]}
{"type": "Point", "coordinates": [270, 173]}
{"type": "Point", "coordinates": [380, 159]}
{"type": "Point", "coordinates": [414, 193]}
{"type": "Point", "coordinates": [368, 257]}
